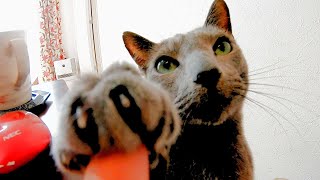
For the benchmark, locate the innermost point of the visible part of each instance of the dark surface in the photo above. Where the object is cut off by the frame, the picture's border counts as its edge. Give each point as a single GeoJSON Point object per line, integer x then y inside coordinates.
{"type": "Point", "coordinates": [41, 167]}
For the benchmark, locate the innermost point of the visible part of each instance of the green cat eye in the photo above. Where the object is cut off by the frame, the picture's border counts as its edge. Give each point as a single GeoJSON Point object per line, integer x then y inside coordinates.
{"type": "Point", "coordinates": [222, 46]}
{"type": "Point", "coordinates": [166, 64]}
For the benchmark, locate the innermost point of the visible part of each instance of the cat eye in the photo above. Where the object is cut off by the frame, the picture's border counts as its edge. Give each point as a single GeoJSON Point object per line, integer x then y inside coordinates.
{"type": "Point", "coordinates": [222, 46]}
{"type": "Point", "coordinates": [166, 64]}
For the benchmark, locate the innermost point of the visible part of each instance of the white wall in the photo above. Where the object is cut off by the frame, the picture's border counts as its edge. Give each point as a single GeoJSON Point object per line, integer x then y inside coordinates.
{"type": "Point", "coordinates": [68, 28]}
{"type": "Point", "coordinates": [152, 19]}
{"type": "Point", "coordinates": [285, 135]}
{"type": "Point", "coordinates": [286, 33]}
{"type": "Point", "coordinates": [75, 34]}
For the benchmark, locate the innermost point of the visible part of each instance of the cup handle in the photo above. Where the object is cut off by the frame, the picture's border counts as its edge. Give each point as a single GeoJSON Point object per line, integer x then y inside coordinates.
{"type": "Point", "coordinates": [20, 51]}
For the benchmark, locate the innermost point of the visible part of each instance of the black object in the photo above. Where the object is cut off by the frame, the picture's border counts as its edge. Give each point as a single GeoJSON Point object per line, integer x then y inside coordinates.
{"type": "Point", "coordinates": [41, 167]}
{"type": "Point", "coordinates": [36, 105]}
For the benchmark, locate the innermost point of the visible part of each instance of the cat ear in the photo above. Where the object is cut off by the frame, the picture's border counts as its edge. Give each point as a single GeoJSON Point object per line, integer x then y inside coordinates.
{"type": "Point", "coordinates": [219, 15]}
{"type": "Point", "coordinates": [138, 47]}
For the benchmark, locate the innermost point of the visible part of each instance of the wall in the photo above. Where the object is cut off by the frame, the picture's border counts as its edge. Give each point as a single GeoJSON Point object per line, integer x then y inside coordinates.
{"type": "Point", "coordinates": [284, 34]}
{"type": "Point", "coordinates": [280, 40]}
{"type": "Point", "coordinates": [153, 19]}
{"type": "Point", "coordinates": [68, 29]}
{"type": "Point", "coordinates": [75, 33]}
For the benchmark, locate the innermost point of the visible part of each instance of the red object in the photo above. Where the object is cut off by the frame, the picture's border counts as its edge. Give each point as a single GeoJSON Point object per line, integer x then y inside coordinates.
{"type": "Point", "coordinates": [119, 166]}
{"type": "Point", "coordinates": [22, 137]}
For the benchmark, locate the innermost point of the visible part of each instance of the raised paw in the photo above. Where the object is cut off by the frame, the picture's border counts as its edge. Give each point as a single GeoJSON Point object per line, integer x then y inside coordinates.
{"type": "Point", "coordinates": [132, 116]}
{"type": "Point", "coordinates": [120, 111]}
{"type": "Point", "coordinates": [77, 138]}
{"type": "Point", "coordinates": [74, 162]}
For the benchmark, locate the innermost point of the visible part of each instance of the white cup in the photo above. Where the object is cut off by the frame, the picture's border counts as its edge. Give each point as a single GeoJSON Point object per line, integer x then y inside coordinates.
{"type": "Point", "coordinates": [15, 83]}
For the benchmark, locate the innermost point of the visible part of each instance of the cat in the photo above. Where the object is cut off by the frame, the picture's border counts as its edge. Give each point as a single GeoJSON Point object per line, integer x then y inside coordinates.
{"type": "Point", "coordinates": [189, 100]}
{"type": "Point", "coordinates": [206, 75]}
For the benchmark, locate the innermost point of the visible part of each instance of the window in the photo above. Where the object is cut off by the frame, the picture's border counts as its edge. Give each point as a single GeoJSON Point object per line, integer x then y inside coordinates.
{"type": "Point", "coordinates": [24, 15]}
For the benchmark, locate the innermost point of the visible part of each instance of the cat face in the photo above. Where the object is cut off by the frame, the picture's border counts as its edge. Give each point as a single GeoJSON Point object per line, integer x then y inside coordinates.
{"type": "Point", "coordinates": [204, 69]}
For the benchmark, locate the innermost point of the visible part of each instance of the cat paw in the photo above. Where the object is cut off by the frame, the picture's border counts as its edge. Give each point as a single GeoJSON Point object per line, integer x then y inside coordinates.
{"type": "Point", "coordinates": [117, 110]}
{"type": "Point", "coordinates": [74, 162]}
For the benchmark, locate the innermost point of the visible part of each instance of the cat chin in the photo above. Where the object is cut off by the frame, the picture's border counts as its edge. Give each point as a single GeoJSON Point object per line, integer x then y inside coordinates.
{"type": "Point", "coordinates": [229, 112]}
{"type": "Point", "coordinates": [200, 122]}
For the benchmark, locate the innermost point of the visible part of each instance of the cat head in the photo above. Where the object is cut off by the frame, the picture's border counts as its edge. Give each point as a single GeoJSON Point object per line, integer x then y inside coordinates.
{"type": "Point", "coordinates": [204, 70]}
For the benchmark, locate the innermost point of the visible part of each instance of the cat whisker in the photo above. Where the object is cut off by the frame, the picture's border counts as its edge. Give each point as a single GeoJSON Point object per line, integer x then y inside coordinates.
{"type": "Point", "coordinates": [277, 86]}
{"type": "Point", "coordinates": [271, 70]}
{"type": "Point", "coordinates": [254, 86]}
{"type": "Point", "coordinates": [265, 67]}
{"type": "Point", "coordinates": [184, 116]}
{"type": "Point", "coordinates": [183, 109]}
{"type": "Point", "coordinates": [182, 106]}
{"type": "Point", "coordinates": [265, 108]}
{"type": "Point", "coordinates": [269, 111]}
{"type": "Point", "coordinates": [285, 106]}
{"type": "Point", "coordinates": [238, 82]}
{"type": "Point", "coordinates": [179, 99]}
{"type": "Point", "coordinates": [282, 98]}
{"type": "Point", "coordinates": [271, 77]}
{"type": "Point", "coordinates": [268, 71]}
{"type": "Point", "coordinates": [273, 96]}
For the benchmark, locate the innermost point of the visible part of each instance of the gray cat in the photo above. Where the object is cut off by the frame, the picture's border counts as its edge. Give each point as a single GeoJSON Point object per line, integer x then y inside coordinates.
{"type": "Point", "coordinates": [187, 109]}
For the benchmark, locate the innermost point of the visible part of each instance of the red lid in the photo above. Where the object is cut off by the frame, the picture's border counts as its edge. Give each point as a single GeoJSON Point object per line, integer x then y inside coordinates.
{"type": "Point", "coordinates": [23, 136]}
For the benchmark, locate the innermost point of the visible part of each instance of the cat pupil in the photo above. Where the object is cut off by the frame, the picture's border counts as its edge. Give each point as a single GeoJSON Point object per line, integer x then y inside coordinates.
{"type": "Point", "coordinates": [166, 64]}
{"type": "Point", "coordinates": [221, 47]}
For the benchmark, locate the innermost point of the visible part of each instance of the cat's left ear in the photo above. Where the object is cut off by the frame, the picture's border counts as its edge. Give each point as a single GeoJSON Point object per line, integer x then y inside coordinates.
{"type": "Point", "coordinates": [219, 16]}
{"type": "Point", "coordinates": [138, 47]}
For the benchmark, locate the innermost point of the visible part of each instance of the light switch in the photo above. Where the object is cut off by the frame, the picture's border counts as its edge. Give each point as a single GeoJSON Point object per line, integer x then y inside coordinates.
{"type": "Point", "coordinates": [65, 68]}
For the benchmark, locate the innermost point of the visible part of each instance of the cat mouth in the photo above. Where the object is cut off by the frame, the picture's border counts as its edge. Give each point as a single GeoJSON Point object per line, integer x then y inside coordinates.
{"type": "Point", "coordinates": [207, 110]}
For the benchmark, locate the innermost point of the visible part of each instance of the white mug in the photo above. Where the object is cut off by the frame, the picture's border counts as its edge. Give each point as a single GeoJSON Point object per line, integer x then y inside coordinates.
{"type": "Point", "coordinates": [15, 83]}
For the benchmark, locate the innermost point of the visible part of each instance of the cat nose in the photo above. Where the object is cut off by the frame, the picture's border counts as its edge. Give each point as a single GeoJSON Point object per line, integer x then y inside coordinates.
{"type": "Point", "coordinates": [208, 78]}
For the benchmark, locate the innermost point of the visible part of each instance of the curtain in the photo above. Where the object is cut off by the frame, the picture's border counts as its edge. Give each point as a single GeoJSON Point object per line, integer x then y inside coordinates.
{"type": "Point", "coordinates": [50, 38]}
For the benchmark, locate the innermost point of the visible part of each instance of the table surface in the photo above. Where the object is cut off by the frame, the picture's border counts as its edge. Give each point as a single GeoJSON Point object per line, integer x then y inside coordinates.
{"type": "Point", "coordinates": [57, 90]}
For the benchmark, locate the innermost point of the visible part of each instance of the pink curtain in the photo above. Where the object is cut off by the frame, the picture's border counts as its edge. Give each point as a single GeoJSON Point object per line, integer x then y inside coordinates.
{"type": "Point", "coordinates": [50, 37]}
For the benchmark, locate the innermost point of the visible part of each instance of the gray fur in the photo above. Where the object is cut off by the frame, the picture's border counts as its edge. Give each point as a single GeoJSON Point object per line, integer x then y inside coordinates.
{"type": "Point", "coordinates": [94, 90]}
